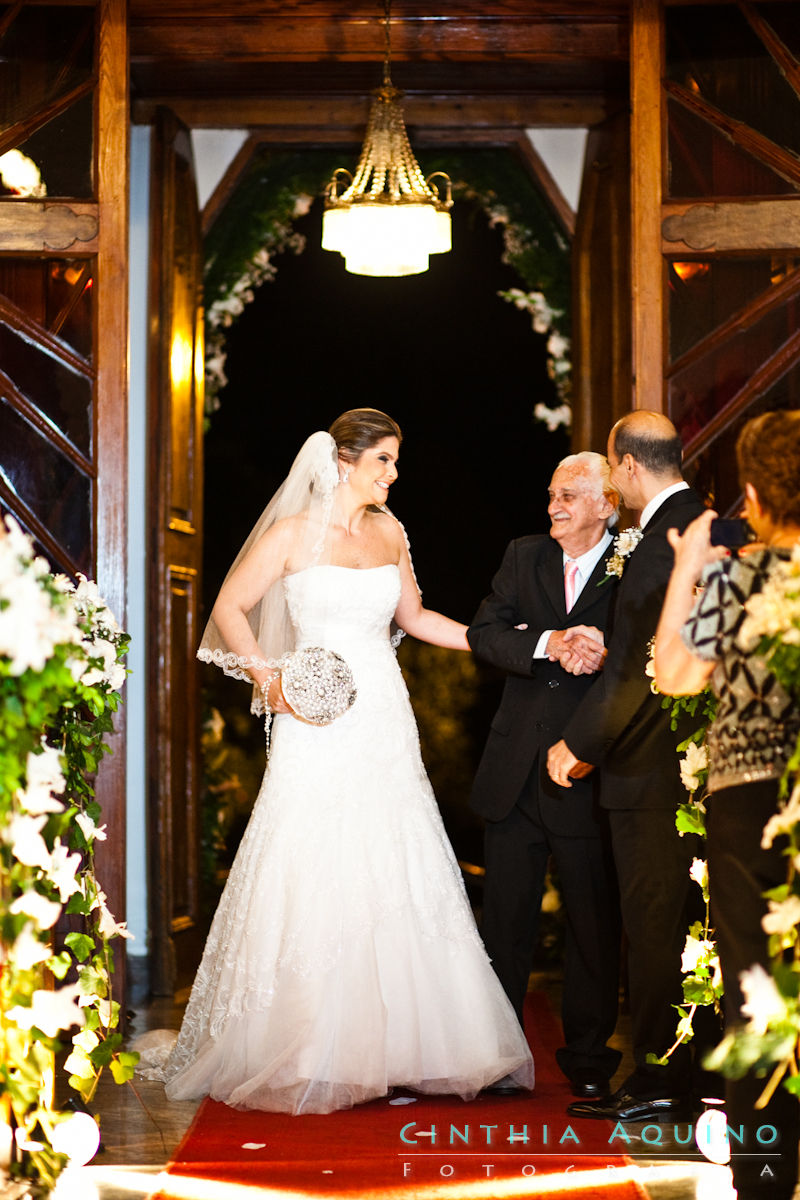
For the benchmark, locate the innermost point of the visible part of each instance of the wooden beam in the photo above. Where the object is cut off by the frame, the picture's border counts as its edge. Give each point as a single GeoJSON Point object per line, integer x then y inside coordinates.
{"type": "Point", "coordinates": [785, 61]}
{"type": "Point", "coordinates": [347, 115]}
{"type": "Point", "coordinates": [39, 226]}
{"type": "Point", "coordinates": [724, 226]}
{"type": "Point", "coordinates": [253, 33]}
{"type": "Point", "coordinates": [647, 267]}
{"type": "Point", "coordinates": [562, 211]}
{"type": "Point", "coordinates": [20, 131]}
{"type": "Point", "coordinates": [767, 375]}
{"type": "Point", "coordinates": [784, 163]}
{"type": "Point", "coordinates": [747, 316]}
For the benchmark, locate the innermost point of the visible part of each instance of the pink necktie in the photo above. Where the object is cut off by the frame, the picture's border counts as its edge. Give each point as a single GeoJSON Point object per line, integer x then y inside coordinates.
{"type": "Point", "coordinates": [570, 571]}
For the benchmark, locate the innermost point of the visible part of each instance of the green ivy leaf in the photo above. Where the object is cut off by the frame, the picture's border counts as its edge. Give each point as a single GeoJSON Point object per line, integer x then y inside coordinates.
{"type": "Point", "coordinates": [81, 945]}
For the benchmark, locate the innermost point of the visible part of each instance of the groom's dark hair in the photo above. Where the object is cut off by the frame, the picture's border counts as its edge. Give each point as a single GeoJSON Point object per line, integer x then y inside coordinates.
{"type": "Point", "coordinates": [656, 448]}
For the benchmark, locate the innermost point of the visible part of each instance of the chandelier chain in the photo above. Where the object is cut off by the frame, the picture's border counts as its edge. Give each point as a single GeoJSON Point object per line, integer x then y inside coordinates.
{"type": "Point", "coordinates": [387, 34]}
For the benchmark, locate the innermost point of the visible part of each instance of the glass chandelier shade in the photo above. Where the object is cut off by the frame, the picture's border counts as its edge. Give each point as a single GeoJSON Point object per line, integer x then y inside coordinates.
{"type": "Point", "coordinates": [389, 218]}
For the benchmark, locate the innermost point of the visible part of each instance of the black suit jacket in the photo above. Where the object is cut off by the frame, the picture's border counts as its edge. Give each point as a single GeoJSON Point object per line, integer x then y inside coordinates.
{"type": "Point", "coordinates": [539, 696]}
{"type": "Point", "coordinates": [620, 724]}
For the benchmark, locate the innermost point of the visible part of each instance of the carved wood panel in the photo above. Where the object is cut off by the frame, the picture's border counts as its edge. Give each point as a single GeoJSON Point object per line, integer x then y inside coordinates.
{"type": "Point", "coordinates": [175, 409]}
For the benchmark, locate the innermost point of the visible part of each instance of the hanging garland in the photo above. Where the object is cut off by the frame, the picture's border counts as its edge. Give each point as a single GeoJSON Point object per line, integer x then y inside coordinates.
{"type": "Point", "coordinates": [61, 669]}
{"type": "Point", "coordinates": [258, 226]}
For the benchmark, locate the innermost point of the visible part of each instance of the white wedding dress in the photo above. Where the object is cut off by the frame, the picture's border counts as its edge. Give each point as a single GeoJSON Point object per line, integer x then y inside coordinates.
{"type": "Point", "coordinates": [343, 959]}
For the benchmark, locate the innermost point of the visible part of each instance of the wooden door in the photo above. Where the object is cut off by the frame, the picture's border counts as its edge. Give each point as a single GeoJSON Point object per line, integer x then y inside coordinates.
{"type": "Point", "coordinates": [63, 316]}
{"type": "Point", "coordinates": [716, 218]}
{"type": "Point", "coordinates": [175, 473]}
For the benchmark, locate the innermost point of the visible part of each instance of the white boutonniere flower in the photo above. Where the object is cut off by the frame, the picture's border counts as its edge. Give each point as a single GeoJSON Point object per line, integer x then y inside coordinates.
{"type": "Point", "coordinates": [624, 544]}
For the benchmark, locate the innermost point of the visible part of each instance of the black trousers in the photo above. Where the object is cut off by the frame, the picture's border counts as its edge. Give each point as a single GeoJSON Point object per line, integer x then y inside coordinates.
{"type": "Point", "coordinates": [517, 850]}
{"type": "Point", "coordinates": [659, 902]}
{"type": "Point", "coordinates": [739, 871]}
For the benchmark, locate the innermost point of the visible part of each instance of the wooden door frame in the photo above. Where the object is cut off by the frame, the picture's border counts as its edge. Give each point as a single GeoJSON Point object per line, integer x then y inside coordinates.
{"type": "Point", "coordinates": [112, 149]}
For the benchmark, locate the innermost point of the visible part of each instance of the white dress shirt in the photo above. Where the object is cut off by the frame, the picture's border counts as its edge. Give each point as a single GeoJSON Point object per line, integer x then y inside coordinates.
{"type": "Point", "coordinates": [586, 564]}
{"type": "Point", "coordinates": [654, 505]}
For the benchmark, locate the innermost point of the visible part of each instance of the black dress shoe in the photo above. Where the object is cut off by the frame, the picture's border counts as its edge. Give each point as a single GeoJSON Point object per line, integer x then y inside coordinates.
{"type": "Point", "coordinates": [622, 1106]}
{"type": "Point", "coordinates": [589, 1083]}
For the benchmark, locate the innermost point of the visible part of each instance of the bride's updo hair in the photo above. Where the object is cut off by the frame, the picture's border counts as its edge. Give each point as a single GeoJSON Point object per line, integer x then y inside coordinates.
{"type": "Point", "coordinates": [361, 428]}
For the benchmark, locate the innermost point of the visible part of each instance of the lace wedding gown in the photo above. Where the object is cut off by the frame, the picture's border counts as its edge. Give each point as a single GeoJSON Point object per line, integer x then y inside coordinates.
{"type": "Point", "coordinates": [343, 958]}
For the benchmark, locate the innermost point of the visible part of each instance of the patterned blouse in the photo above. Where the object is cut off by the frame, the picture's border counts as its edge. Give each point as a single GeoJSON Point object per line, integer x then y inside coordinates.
{"type": "Point", "coordinates": [756, 726]}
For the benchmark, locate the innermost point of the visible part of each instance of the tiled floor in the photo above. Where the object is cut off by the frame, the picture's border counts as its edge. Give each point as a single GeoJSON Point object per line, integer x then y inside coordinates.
{"type": "Point", "coordinates": [140, 1130]}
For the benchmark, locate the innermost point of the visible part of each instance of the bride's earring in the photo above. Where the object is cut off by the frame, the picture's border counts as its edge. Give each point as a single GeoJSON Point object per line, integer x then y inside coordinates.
{"type": "Point", "coordinates": [346, 476]}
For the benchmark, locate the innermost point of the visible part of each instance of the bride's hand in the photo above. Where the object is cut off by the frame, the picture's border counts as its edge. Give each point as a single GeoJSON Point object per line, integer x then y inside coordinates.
{"type": "Point", "coordinates": [274, 697]}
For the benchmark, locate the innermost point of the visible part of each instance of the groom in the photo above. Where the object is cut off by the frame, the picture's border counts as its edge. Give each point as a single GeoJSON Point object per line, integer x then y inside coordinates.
{"type": "Point", "coordinates": [534, 626]}
{"type": "Point", "coordinates": [621, 727]}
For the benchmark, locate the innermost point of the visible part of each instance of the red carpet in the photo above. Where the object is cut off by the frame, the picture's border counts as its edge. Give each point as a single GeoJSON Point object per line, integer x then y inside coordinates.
{"type": "Point", "coordinates": [386, 1149]}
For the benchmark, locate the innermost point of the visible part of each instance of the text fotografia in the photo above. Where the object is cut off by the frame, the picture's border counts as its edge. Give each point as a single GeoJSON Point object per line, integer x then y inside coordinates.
{"type": "Point", "coordinates": [763, 1137]}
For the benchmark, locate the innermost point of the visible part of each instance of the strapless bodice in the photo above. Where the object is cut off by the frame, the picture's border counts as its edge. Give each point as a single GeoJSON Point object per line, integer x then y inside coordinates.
{"type": "Point", "coordinates": [343, 607]}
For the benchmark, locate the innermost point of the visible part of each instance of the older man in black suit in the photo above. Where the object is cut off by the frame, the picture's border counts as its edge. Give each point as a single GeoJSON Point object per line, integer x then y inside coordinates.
{"type": "Point", "coordinates": [621, 727]}
{"type": "Point", "coordinates": [543, 623]}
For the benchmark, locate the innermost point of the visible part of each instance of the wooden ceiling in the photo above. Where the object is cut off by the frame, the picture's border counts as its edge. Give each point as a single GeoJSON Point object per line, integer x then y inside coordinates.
{"type": "Point", "coordinates": [304, 65]}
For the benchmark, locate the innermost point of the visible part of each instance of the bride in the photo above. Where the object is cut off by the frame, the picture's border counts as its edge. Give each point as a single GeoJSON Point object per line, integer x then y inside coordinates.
{"type": "Point", "coordinates": [343, 959]}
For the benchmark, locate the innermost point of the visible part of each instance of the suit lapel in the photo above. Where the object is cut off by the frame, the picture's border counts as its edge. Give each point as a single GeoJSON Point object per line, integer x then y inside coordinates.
{"type": "Point", "coordinates": [552, 581]}
{"type": "Point", "coordinates": [661, 517]}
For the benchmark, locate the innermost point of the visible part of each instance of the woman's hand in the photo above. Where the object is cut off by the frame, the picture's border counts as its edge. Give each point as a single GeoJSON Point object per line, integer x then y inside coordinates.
{"type": "Point", "coordinates": [272, 692]}
{"type": "Point", "coordinates": [679, 672]}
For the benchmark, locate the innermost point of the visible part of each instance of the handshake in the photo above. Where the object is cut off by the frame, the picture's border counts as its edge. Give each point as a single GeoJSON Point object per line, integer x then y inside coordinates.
{"type": "Point", "coordinates": [579, 649]}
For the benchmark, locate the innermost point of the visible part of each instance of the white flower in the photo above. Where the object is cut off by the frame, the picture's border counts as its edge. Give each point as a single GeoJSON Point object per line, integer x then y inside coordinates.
{"type": "Point", "coordinates": [763, 1002]}
{"type": "Point", "coordinates": [88, 828]}
{"type": "Point", "coordinates": [21, 175]}
{"type": "Point", "coordinates": [22, 833]}
{"type": "Point", "coordinates": [775, 610]}
{"type": "Point", "coordinates": [694, 952]}
{"type": "Point", "coordinates": [62, 869]}
{"type": "Point", "coordinates": [107, 924]}
{"type": "Point", "coordinates": [699, 872]}
{"type": "Point", "coordinates": [557, 345]}
{"type": "Point", "coordinates": [553, 417]}
{"type": "Point", "coordinates": [108, 671]}
{"type": "Point", "coordinates": [50, 1011]}
{"type": "Point", "coordinates": [783, 915]}
{"type": "Point", "coordinates": [43, 776]}
{"type": "Point", "coordinates": [783, 820]}
{"type": "Point", "coordinates": [302, 204]}
{"type": "Point", "coordinates": [625, 543]}
{"type": "Point", "coordinates": [43, 912]}
{"type": "Point", "coordinates": [32, 622]}
{"type": "Point", "coordinates": [693, 763]}
{"type": "Point", "coordinates": [28, 950]}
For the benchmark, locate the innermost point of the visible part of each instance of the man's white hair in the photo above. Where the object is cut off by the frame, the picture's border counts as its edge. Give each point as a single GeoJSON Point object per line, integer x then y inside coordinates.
{"type": "Point", "coordinates": [596, 469]}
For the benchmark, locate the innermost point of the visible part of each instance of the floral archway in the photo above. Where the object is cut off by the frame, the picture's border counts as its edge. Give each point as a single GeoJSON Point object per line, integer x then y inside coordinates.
{"type": "Point", "coordinates": [257, 226]}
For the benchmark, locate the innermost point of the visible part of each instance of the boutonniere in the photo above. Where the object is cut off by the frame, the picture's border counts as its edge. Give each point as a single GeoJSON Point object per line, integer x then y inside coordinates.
{"type": "Point", "coordinates": [624, 544]}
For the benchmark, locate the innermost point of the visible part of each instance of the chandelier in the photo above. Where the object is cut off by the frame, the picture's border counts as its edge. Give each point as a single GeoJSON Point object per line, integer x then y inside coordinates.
{"type": "Point", "coordinates": [388, 218]}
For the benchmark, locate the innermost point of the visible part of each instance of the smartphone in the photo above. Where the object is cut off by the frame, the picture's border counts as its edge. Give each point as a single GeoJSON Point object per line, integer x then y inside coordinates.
{"type": "Point", "coordinates": [732, 532]}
